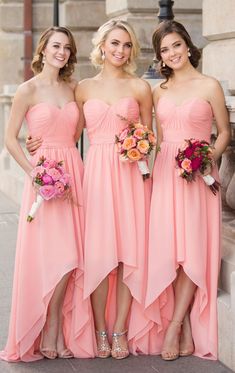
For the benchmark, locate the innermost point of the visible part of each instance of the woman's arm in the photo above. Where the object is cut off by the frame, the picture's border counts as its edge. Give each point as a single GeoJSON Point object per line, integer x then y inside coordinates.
{"type": "Point", "coordinates": [158, 125]}
{"type": "Point", "coordinates": [79, 102]}
{"type": "Point", "coordinates": [19, 108]}
{"type": "Point", "coordinates": [217, 102]}
{"type": "Point", "coordinates": [145, 103]}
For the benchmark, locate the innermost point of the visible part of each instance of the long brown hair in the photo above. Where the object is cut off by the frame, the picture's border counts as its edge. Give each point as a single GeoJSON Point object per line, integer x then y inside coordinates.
{"type": "Point", "coordinates": [37, 64]}
{"type": "Point", "coordinates": [168, 27]}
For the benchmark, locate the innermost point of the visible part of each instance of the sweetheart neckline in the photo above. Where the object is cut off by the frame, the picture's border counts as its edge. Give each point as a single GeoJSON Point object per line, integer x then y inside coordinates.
{"type": "Point", "coordinates": [112, 104]}
{"type": "Point", "coordinates": [51, 104]}
{"type": "Point", "coordinates": [184, 102]}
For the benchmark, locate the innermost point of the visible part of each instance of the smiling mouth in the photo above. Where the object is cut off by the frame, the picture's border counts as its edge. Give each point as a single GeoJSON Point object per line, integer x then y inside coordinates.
{"type": "Point", "coordinates": [118, 57]}
{"type": "Point", "coordinates": [175, 60]}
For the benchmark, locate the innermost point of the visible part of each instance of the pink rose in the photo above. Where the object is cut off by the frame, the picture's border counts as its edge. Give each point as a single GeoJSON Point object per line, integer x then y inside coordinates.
{"type": "Point", "coordinates": [59, 188]}
{"type": "Point", "coordinates": [54, 173]}
{"type": "Point", "coordinates": [49, 163]}
{"type": "Point", "coordinates": [65, 179]}
{"type": "Point", "coordinates": [139, 133]}
{"type": "Point", "coordinates": [47, 192]}
{"type": "Point", "coordinates": [37, 170]}
{"type": "Point", "coordinates": [186, 165]}
{"type": "Point", "coordinates": [47, 179]}
{"type": "Point", "coordinates": [123, 134]}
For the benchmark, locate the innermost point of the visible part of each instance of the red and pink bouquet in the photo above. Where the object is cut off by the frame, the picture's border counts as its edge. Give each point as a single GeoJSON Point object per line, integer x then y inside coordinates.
{"type": "Point", "coordinates": [135, 143]}
{"type": "Point", "coordinates": [50, 180]}
{"type": "Point", "coordinates": [193, 159]}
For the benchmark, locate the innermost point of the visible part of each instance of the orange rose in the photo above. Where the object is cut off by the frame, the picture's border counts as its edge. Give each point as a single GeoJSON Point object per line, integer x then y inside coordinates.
{"type": "Point", "coordinates": [139, 133]}
{"type": "Point", "coordinates": [134, 154]}
{"type": "Point", "coordinates": [152, 138]}
{"type": "Point", "coordinates": [143, 146]}
{"type": "Point", "coordinates": [128, 143]}
{"type": "Point", "coordinates": [138, 125]}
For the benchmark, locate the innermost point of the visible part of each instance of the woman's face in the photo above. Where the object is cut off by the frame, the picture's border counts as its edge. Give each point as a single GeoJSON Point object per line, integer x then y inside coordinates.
{"type": "Point", "coordinates": [174, 51]}
{"type": "Point", "coordinates": [57, 50]}
{"type": "Point", "coordinates": [117, 47]}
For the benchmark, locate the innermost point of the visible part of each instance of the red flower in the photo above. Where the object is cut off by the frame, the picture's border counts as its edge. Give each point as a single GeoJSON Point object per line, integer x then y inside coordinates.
{"type": "Point", "coordinates": [196, 163]}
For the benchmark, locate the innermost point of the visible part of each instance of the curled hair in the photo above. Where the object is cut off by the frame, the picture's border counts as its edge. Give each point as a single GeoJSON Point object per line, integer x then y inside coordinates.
{"type": "Point", "coordinates": [101, 36]}
{"type": "Point", "coordinates": [168, 27]}
{"type": "Point", "coordinates": [37, 64]}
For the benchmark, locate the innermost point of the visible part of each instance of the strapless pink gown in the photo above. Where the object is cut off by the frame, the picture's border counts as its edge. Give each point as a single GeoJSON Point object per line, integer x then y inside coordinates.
{"type": "Point", "coordinates": [184, 228]}
{"type": "Point", "coordinates": [116, 215]}
{"type": "Point", "coordinates": [50, 246]}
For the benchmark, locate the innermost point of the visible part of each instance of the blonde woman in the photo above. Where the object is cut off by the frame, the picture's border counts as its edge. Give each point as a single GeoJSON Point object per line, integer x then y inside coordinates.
{"type": "Point", "coordinates": [115, 196]}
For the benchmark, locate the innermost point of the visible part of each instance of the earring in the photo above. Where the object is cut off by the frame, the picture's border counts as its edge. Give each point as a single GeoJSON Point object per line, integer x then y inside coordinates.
{"type": "Point", "coordinates": [67, 65]}
{"type": "Point", "coordinates": [102, 56]}
{"type": "Point", "coordinates": [127, 62]}
{"type": "Point", "coordinates": [163, 64]}
{"type": "Point", "coordinates": [189, 53]}
{"type": "Point", "coordinates": [43, 59]}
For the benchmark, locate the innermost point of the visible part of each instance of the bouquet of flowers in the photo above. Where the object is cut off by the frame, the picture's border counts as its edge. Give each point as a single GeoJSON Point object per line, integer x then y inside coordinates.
{"type": "Point", "coordinates": [51, 180]}
{"type": "Point", "coordinates": [196, 156]}
{"type": "Point", "coordinates": [135, 143]}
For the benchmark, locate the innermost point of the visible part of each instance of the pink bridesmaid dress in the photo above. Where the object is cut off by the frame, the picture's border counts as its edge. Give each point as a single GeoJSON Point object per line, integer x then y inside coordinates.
{"type": "Point", "coordinates": [184, 228]}
{"type": "Point", "coordinates": [116, 215]}
{"type": "Point", "coordinates": [50, 246]}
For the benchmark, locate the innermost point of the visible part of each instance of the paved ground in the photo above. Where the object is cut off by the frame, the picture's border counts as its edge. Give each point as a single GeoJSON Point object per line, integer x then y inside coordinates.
{"type": "Point", "coordinates": [141, 364]}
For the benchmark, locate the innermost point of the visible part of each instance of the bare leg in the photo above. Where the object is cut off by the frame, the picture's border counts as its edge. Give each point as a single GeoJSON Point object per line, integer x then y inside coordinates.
{"type": "Point", "coordinates": [98, 301]}
{"type": "Point", "coordinates": [186, 339]}
{"type": "Point", "coordinates": [51, 329]}
{"type": "Point", "coordinates": [124, 299]}
{"type": "Point", "coordinates": [184, 291]}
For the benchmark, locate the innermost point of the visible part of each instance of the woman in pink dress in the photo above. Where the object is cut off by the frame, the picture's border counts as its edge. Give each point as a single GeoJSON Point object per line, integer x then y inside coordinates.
{"type": "Point", "coordinates": [184, 243]}
{"type": "Point", "coordinates": [49, 317]}
{"type": "Point", "coordinates": [116, 198]}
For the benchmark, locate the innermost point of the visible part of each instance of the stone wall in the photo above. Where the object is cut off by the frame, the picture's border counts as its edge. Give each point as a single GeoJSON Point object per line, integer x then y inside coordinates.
{"type": "Point", "coordinates": [218, 61]}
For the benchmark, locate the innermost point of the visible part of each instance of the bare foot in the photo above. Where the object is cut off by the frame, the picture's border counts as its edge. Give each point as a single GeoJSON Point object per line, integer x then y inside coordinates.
{"type": "Point", "coordinates": [170, 350]}
{"type": "Point", "coordinates": [186, 339]}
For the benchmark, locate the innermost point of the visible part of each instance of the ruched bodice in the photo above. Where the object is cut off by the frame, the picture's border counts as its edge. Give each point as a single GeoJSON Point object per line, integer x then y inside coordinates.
{"type": "Point", "coordinates": [103, 121]}
{"type": "Point", "coordinates": [191, 119]}
{"type": "Point", "coordinates": [56, 126]}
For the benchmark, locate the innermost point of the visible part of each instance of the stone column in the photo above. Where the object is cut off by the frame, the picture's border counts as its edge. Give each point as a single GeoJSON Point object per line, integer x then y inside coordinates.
{"type": "Point", "coordinates": [11, 42]}
{"type": "Point", "coordinates": [218, 61]}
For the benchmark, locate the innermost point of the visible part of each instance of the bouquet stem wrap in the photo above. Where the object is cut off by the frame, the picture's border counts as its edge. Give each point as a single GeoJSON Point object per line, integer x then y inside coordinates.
{"type": "Point", "coordinates": [144, 169]}
{"type": "Point", "coordinates": [34, 208]}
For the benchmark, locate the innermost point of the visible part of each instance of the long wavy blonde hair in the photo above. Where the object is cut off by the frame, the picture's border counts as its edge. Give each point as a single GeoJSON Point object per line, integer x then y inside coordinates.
{"type": "Point", "coordinates": [101, 36]}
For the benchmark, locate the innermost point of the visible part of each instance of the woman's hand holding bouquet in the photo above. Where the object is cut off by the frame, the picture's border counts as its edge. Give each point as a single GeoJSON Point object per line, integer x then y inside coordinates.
{"type": "Point", "coordinates": [196, 157]}
{"type": "Point", "coordinates": [134, 144]}
{"type": "Point", "coordinates": [50, 181]}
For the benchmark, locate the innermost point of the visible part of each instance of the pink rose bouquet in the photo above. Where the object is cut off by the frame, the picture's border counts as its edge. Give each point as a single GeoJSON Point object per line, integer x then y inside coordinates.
{"type": "Point", "coordinates": [51, 180]}
{"type": "Point", "coordinates": [193, 158]}
{"type": "Point", "coordinates": [135, 143]}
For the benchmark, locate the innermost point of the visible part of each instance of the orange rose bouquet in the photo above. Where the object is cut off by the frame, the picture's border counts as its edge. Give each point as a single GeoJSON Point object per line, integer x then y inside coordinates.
{"type": "Point", "coordinates": [134, 144]}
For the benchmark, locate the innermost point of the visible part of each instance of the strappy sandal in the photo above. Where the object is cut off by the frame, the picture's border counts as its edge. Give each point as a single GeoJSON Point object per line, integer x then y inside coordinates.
{"type": "Point", "coordinates": [47, 352]}
{"type": "Point", "coordinates": [65, 354]}
{"type": "Point", "coordinates": [103, 347]}
{"type": "Point", "coordinates": [170, 356]}
{"type": "Point", "coordinates": [118, 352]}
